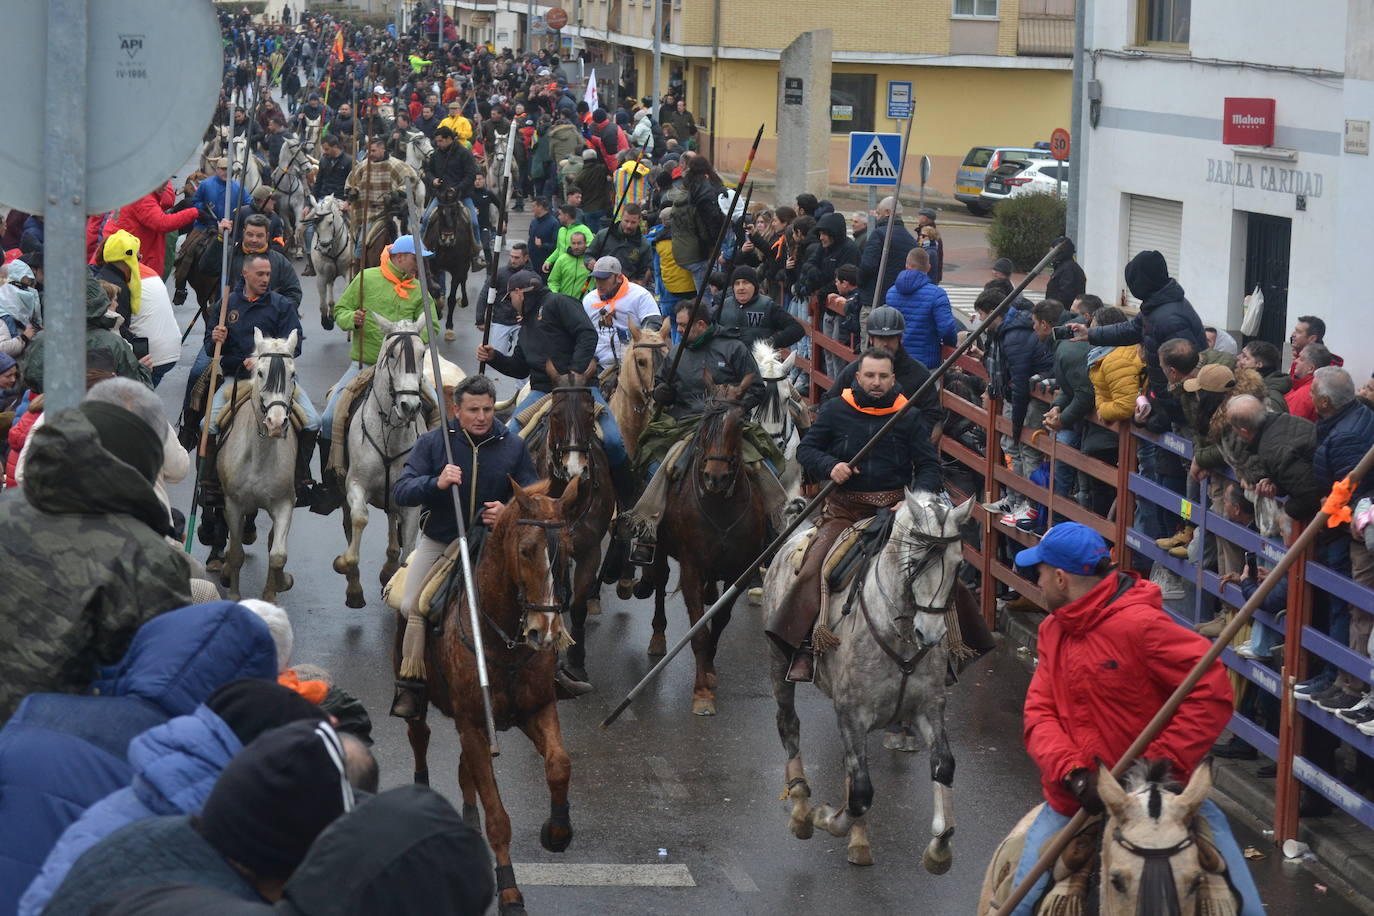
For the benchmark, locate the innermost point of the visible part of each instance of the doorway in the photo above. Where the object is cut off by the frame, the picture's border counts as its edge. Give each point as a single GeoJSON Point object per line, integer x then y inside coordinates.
{"type": "Point", "coordinates": [1267, 242]}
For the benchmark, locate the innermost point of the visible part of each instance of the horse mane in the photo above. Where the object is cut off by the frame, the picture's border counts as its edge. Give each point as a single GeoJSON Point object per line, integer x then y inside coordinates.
{"type": "Point", "coordinates": [765, 355]}
{"type": "Point", "coordinates": [1151, 771]}
{"type": "Point", "coordinates": [276, 375]}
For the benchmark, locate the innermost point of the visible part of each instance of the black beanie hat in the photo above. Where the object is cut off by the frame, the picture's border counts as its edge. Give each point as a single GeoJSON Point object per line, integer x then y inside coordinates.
{"type": "Point", "coordinates": [251, 706]}
{"type": "Point", "coordinates": [745, 272]}
{"type": "Point", "coordinates": [275, 797]}
{"type": "Point", "coordinates": [125, 436]}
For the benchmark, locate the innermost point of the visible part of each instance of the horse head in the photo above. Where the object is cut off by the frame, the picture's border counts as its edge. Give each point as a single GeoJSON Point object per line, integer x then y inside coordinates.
{"type": "Point", "coordinates": [535, 550]}
{"type": "Point", "coordinates": [927, 547]}
{"type": "Point", "coordinates": [400, 363]}
{"type": "Point", "coordinates": [1152, 862]}
{"type": "Point", "coordinates": [274, 381]}
{"type": "Point", "coordinates": [447, 218]}
{"type": "Point", "coordinates": [774, 414]}
{"type": "Point", "coordinates": [572, 423]}
{"type": "Point", "coordinates": [647, 352]}
{"type": "Point", "coordinates": [720, 436]}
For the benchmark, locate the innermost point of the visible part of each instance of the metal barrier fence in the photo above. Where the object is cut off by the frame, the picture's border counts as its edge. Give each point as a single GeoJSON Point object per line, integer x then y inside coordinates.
{"type": "Point", "coordinates": [1289, 742]}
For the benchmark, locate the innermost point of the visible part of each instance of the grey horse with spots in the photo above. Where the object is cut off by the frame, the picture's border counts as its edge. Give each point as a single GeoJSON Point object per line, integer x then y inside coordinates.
{"type": "Point", "coordinates": [889, 666]}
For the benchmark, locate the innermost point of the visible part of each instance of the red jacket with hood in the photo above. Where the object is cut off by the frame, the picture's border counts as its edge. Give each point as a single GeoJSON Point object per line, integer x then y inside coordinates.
{"type": "Point", "coordinates": [1108, 662]}
{"type": "Point", "coordinates": [147, 220]}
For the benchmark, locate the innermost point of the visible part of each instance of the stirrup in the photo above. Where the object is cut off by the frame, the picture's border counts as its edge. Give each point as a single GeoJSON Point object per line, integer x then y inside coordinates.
{"type": "Point", "coordinates": [642, 551]}
{"type": "Point", "coordinates": [802, 670]}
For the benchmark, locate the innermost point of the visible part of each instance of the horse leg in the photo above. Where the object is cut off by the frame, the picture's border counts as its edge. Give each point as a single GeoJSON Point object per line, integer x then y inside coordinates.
{"type": "Point", "coordinates": [346, 563]}
{"type": "Point", "coordinates": [417, 730]}
{"type": "Point", "coordinates": [543, 730]}
{"type": "Point", "coordinates": [477, 757]}
{"type": "Point", "coordinates": [584, 580]}
{"type": "Point", "coordinates": [854, 734]}
{"type": "Point", "coordinates": [278, 579]}
{"type": "Point", "coordinates": [448, 311]}
{"type": "Point", "coordinates": [393, 545]}
{"type": "Point", "coordinates": [233, 557]}
{"type": "Point", "coordinates": [703, 695]}
{"type": "Point", "coordinates": [658, 643]}
{"type": "Point", "coordinates": [716, 628]}
{"type": "Point", "coordinates": [467, 784]}
{"type": "Point", "coordinates": [789, 730]}
{"type": "Point", "coordinates": [938, 856]}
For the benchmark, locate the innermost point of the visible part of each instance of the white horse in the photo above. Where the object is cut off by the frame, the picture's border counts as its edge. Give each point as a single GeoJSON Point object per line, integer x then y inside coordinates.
{"type": "Point", "coordinates": [381, 434]}
{"type": "Point", "coordinates": [311, 131]}
{"type": "Point", "coordinates": [331, 252]}
{"type": "Point", "coordinates": [291, 188]}
{"type": "Point", "coordinates": [213, 146]}
{"type": "Point", "coordinates": [889, 666]}
{"type": "Point", "coordinates": [238, 155]}
{"type": "Point", "coordinates": [778, 414]}
{"type": "Point", "coordinates": [418, 149]}
{"type": "Point", "coordinates": [257, 461]}
{"type": "Point", "coordinates": [496, 158]}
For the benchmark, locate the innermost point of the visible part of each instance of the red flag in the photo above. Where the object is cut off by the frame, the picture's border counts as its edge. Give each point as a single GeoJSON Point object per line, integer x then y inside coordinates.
{"type": "Point", "coordinates": [337, 52]}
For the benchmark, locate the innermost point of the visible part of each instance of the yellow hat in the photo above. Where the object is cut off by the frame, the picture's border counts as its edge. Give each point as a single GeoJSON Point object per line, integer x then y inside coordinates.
{"type": "Point", "coordinates": [122, 248]}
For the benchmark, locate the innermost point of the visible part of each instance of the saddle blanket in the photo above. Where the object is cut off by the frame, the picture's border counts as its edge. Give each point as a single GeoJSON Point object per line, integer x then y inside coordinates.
{"type": "Point", "coordinates": [232, 404]}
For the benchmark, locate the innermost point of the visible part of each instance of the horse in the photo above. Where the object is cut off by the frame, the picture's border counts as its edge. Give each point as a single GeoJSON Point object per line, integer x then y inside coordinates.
{"type": "Point", "coordinates": [632, 400]}
{"type": "Point", "coordinates": [890, 666]}
{"type": "Point", "coordinates": [312, 130]}
{"type": "Point", "coordinates": [418, 150]}
{"type": "Point", "coordinates": [777, 414]}
{"type": "Point", "coordinates": [521, 576]}
{"type": "Point", "coordinates": [393, 226]}
{"type": "Point", "coordinates": [571, 450]}
{"type": "Point", "coordinates": [257, 461]}
{"type": "Point", "coordinates": [381, 433]}
{"type": "Point", "coordinates": [331, 252]}
{"type": "Point", "coordinates": [449, 236]}
{"type": "Point", "coordinates": [252, 177]}
{"type": "Point", "coordinates": [292, 189]}
{"type": "Point", "coordinates": [212, 146]}
{"type": "Point", "coordinates": [1153, 861]}
{"type": "Point", "coordinates": [495, 157]}
{"type": "Point", "coordinates": [713, 521]}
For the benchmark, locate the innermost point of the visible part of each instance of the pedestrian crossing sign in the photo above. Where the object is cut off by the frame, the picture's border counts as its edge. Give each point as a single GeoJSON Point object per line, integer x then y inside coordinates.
{"type": "Point", "coordinates": [873, 158]}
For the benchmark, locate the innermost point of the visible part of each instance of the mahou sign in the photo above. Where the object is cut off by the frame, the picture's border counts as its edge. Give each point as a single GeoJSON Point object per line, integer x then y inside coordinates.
{"type": "Point", "coordinates": [1248, 122]}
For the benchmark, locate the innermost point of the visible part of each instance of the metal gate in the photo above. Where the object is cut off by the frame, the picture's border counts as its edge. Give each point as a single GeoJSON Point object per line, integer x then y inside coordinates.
{"type": "Point", "coordinates": [1267, 243]}
{"type": "Point", "coordinates": [1154, 224]}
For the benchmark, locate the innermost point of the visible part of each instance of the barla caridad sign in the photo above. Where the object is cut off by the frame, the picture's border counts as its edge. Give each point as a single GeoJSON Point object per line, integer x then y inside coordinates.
{"type": "Point", "coordinates": [1264, 177]}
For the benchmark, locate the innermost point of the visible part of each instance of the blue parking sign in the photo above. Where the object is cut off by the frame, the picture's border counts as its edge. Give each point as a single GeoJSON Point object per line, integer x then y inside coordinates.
{"type": "Point", "coordinates": [873, 158]}
{"type": "Point", "coordinates": [900, 101]}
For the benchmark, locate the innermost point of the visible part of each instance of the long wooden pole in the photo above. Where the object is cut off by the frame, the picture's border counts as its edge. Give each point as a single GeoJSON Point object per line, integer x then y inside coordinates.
{"type": "Point", "coordinates": [1166, 712]}
{"type": "Point", "coordinates": [491, 293]}
{"type": "Point", "coordinates": [728, 599]}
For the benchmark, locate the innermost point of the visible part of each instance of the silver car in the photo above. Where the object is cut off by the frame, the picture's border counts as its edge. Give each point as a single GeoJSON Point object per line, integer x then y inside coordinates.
{"type": "Point", "coordinates": [982, 161]}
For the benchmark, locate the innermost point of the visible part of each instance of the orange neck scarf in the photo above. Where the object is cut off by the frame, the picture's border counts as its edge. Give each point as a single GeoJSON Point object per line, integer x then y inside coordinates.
{"type": "Point", "coordinates": [898, 403]}
{"type": "Point", "coordinates": [397, 284]}
{"type": "Point", "coordinates": [609, 305]}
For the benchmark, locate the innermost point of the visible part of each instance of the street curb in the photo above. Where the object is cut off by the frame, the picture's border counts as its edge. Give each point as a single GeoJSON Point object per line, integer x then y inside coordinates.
{"type": "Point", "coordinates": [1340, 845]}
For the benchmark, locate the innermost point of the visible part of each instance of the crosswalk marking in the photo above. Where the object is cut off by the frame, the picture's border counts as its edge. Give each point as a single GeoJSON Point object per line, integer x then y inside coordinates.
{"type": "Point", "coordinates": [550, 874]}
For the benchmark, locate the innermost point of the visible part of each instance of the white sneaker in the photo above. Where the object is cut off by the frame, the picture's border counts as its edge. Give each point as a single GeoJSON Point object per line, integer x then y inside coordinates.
{"type": "Point", "coordinates": [1367, 727]}
{"type": "Point", "coordinates": [1005, 504]}
{"type": "Point", "coordinates": [1246, 651]}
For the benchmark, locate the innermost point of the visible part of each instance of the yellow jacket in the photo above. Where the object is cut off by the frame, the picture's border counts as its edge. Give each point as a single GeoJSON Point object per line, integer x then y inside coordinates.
{"type": "Point", "coordinates": [461, 126]}
{"type": "Point", "coordinates": [1116, 382]}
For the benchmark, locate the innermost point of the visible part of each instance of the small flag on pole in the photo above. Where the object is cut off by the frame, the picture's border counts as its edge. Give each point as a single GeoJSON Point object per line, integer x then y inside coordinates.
{"type": "Point", "coordinates": [590, 96]}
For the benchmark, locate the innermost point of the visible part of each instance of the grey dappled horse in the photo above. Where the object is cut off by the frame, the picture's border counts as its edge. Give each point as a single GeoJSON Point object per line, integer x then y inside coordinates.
{"type": "Point", "coordinates": [899, 611]}
{"type": "Point", "coordinates": [291, 188]}
{"type": "Point", "coordinates": [331, 252]}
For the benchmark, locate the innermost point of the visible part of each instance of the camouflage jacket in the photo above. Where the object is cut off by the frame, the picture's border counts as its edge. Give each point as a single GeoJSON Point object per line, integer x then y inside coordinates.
{"type": "Point", "coordinates": [84, 561]}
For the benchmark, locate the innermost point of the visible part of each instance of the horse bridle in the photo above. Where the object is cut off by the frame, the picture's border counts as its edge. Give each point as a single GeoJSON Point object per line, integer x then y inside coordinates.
{"type": "Point", "coordinates": [274, 384]}
{"type": "Point", "coordinates": [409, 365]}
{"type": "Point", "coordinates": [283, 171]}
{"type": "Point", "coordinates": [341, 238]}
{"type": "Point", "coordinates": [557, 450]}
{"type": "Point", "coordinates": [646, 386]}
{"type": "Point", "coordinates": [788, 426]}
{"type": "Point", "coordinates": [562, 588]}
{"type": "Point", "coordinates": [730, 461]}
{"type": "Point", "coordinates": [1158, 873]}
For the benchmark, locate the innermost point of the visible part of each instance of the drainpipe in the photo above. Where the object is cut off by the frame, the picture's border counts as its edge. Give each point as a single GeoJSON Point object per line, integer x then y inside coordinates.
{"type": "Point", "coordinates": [715, 66]}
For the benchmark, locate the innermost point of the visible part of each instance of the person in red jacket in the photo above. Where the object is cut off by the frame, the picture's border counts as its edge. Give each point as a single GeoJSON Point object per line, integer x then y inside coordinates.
{"type": "Point", "coordinates": [1109, 658]}
{"type": "Point", "coordinates": [147, 220]}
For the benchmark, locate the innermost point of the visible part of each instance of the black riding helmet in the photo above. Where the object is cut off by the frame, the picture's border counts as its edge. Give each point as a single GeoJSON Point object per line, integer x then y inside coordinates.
{"type": "Point", "coordinates": [886, 321]}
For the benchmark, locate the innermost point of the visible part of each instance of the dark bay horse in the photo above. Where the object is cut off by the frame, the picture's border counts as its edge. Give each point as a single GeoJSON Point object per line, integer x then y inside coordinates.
{"type": "Point", "coordinates": [449, 236]}
{"type": "Point", "coordinates": [392, 225]}
{"type": "Point", "coordinates": [521, 576]}
{"type": "Point", "coordinates": [571, 451]}
{"type": "Point", "coordinates": [713, 524]}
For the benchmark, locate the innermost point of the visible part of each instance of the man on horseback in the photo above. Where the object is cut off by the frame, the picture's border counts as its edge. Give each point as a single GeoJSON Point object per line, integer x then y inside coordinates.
{"type": "Point", "coordinates": [252, 307]}
{"type": "Point", "coordinates": [331, 179]}
{"type": "Point", "coordinates": [392, 293]}
{"type": "Point", "coordinates": [905, 459]}
{"type": "Point", "coordinates": [611, 305]}
{"type": "Point", "coordinates": [1109, 657]}
{"type": "Point", "coordinates": [554, 328]}
{"type": "Point", "coordinates": [209, 196]}
{"type": "Point", "coordinates": [371, 186]}
{"type": "Point", "coordinates": [452, 165]}
{"type": "Point", "coordinates": [487, 456]}
{"type": "Point", "coordinates": [885, 329]}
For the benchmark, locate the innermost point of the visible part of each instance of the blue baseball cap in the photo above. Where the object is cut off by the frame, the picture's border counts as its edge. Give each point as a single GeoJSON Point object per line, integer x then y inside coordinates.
{"type": "Point", "coordinates": [406, 245]}
{"type": "Point", "coordinates": [1069, 546]}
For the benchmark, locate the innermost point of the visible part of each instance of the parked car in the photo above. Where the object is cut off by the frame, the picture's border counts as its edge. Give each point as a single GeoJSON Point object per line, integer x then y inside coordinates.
{"type": "Point", "coordinates": [982, 161]}
{"type": "Point", "coordinates": [1017, 178]}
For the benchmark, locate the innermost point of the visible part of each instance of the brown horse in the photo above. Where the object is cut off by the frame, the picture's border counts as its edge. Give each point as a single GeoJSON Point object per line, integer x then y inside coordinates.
{"type": "Point", "coordinates": [392, 223]}
{"type": "Point", "coordinates": [571, 451]}
{"type": "Point", "coordinates": [713, 523]}
{"type": "Point", "coordinates": [521, 577]}
{"type": "Point", "coordinates": [449, 236]}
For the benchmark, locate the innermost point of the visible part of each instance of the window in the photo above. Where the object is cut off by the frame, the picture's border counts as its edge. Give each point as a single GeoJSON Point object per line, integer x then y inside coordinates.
{"type": "Point", "coordinates": [983, 9]}
{"type": "Point", "coordinates": [852, 101]}
{"type": "Point", "coordinates": [1164, 21]}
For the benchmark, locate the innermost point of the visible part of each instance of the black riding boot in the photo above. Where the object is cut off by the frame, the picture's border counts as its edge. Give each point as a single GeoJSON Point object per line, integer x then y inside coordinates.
{"type": "Point", "coordinates": [305, 452]}
{"type": "Point", "coordinates": [626, 486]}
{"type": "Point", "coordinates": [213, 532]}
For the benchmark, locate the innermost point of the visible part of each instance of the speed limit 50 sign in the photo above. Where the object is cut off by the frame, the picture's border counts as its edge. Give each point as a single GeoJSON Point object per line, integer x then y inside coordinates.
{"type": "Point", "coordinates": [1059, 144]}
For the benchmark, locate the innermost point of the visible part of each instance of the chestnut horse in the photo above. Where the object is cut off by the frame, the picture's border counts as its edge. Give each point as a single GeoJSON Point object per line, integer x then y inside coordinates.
{"type": "Point", "coordinates": [521, 577]}
{"type": "Point", "coordinates": [571, 451]}
{"type": "Point", "coordinates": [713, 523]}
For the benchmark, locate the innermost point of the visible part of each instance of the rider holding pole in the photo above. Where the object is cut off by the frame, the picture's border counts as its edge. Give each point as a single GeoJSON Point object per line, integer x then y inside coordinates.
{"type": "Point", "coordinates": [487, 456]}
{"type": "Point", "coordinates": [452, 166]}
{"type": "Point", "coordinates": [1109, 657]}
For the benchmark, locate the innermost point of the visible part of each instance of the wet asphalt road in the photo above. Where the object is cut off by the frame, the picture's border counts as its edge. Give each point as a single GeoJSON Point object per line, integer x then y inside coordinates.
{"type": "Point", "coordinates": [662, 787]}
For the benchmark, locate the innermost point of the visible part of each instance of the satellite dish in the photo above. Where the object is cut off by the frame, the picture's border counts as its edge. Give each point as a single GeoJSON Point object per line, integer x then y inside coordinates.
{"type": "Point", "coordinates": [153, 79]}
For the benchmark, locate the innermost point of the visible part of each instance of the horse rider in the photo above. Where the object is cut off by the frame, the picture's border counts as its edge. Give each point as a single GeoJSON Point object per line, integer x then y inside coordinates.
{"type": "Point", "coordinates": [312, 110]}
{"type": "Point", "coordinates": [277, 134]}
{"type": "Point", "coordinates": [371, 186]}
{"type": "Point", "coordinates": [885, 329]}
{"type": "Point", "coordinates": [391, 291]}
{"type": "Point", "coordinates": [452, 165]}
{"type": "Point", "coordinates": [904, 459]}
{"type": "Point", "coordinates": [261, 203]}
{"type": "Point", "coordinates": [611, 305]}
{"type": "Point", "coordinates": [209, 195]}
{"type": "Point", "coordinates": [706, 348]}
{"type": "Point", "coordinates": [1109, 659]}
{"type": "Point", "coordinates": [252, 307]}
{"type": "Point", "coordinates": [331, 179]}
{"type": "Point", "coordinates": [401, 135]}
{"type": "Point", "coordinates": [487, 456]}
{"type": "Point", "coordinates": [756, 316]}
{"type": "Point", "coordinates": [554, 328]}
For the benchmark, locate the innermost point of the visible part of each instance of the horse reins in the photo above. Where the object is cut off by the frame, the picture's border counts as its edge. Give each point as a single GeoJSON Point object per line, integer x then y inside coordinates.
{"type": "Point", "coordinates": [557, 451]}
{"type": "Point", "coordinates": [274, 384]}
{"type": "Point", "coordinates": [409, 365]}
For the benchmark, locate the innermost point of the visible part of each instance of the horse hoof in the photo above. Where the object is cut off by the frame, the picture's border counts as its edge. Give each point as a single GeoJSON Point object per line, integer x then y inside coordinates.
{"type": "Point", "coordinates": [801, 827]}
{"type": "Point", "coordinates": [703, 706]}
{"type": "Point", "coordinates": [593, 607]}
{"type": "Point", "coordinates": [512, 909]}
{"type": "Point", "coordinates": [422, 778]}
{"type": "Point", "coordinates": [472, 816]}
{"type": "Point", "coordinates": [355, 599]}
{"type": "Point", "coordinates": [450, 335]}
{"type": "Point", "coordinates": [658, 645]}
{"type": "Point", "coordinates": [625, 589]}
{"type": "Point", "coordinates": [287, 580]}
{"type": "Point", "coordinates": [388, 571]}
{"type": "Point", "coordinates": [555, 837]}
{"type": "Point", "coordinates": [863, 855]}
{"type": "Point", "coordinates": [937, 864]}
{"type": "Point", "coordinates": [327, 322]}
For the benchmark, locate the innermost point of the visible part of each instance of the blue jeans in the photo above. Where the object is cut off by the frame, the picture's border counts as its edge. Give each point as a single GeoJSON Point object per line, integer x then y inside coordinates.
{"type": "Point", "coordinates": [327, 421]}
{"type": "Point", "coordinates": [312, 416]}
{"type": "Point", "coordinates": [611, 439]}
{"type": "Point", "coordinates": [160, 371]}
{"type": "Point", "coordinates": [1049, 822]}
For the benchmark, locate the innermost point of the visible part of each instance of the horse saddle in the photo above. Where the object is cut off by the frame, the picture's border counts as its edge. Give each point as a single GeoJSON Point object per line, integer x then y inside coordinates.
{"type": "Point", "coordinates": [855, 548]}
{"type": "Point", "coordinates": [352, 397]}
{"type": "Point", "coordinates": [375, 229]}
{"type": "Point", "coordinates": [225, 418]}
{"type": "Point", "coordinates": [439, 580]}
